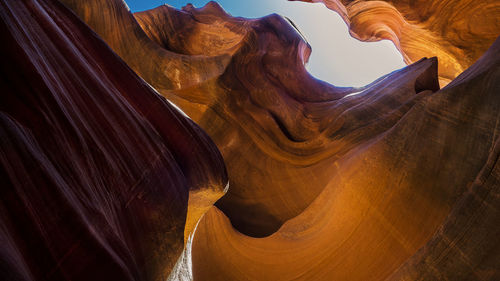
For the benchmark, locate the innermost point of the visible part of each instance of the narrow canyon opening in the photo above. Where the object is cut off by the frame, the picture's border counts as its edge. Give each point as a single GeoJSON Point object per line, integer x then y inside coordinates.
{"type": "Point", "coordinates": [336, 57]}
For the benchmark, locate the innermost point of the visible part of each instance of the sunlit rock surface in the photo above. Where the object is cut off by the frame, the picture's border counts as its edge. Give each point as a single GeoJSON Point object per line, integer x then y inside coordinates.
{"type": "Point", "coordinates": [418, 201]}
{"type": "Point", "coordinates": [95, 166]}
{"type": "Point", "coordinates": [394, 181]}
{"type": "Point", "coordinates": [265, 112]}
{"type": "Point", "coordinates": [458, 32]}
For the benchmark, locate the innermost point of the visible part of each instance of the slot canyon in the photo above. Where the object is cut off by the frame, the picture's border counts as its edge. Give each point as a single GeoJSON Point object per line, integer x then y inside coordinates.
{"type": "Point", "coordinates": [191, 145]}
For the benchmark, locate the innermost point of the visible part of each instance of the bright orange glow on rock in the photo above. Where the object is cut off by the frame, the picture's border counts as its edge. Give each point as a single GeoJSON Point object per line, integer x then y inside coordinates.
{"type": "Point", "coordinates": [271, 174]}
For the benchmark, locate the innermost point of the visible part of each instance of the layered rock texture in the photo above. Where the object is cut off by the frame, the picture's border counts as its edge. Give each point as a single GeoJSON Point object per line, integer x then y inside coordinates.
{"type": "Point", "coordinates": [251, 94]}
{"type": "Point", "coordinates": [397, 180]}
{"type": "Point", "coordinates": [97, 170]}
{"type": "Point", "coordinates": [417, 201]}
{"type": "Point", "coordinates": [458, 32]}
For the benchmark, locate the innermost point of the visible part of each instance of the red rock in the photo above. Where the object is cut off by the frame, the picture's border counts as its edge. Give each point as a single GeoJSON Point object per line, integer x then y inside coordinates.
{"type": "Point", "coordinates": [96, 166]}
{"type": "Point", "coordinates": [458, 32]}
{"type": "Point", "coordinates": [397, 180]}
{"type": "Point", "coordinates": [419, 196]}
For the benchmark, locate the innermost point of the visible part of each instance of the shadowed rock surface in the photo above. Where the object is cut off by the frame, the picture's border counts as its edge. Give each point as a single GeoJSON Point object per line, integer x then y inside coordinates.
{"type": "Point", "coordinates": [458, 32]}
{"type": "Point", "coordinates": [397, 180]}
{"type": "Point", "coordinates": [466, 246]}
{"type": "Point", "coordinates": [421, 196]}
{"type": "Point", "coordinates": [96, 167]}
{"type": "Point", "coordinates": [263, 110]}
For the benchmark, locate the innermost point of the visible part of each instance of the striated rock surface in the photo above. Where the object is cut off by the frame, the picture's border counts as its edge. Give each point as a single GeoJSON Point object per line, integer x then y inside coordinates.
{"type": "Point", "coordinates": [397, 180]}
{"type": "Point", "coordinates": [353, 177]}
{"type": "Point", "coordinates": [266, 114]}
{"type": "Point", "coordinates": [458, 32]}
{"type": "Point", "coordinates": [390, 208]}
{"type": "Point", "coordinates": [96, 168]}
{"type": "Point", "coordinates": [466, 246]}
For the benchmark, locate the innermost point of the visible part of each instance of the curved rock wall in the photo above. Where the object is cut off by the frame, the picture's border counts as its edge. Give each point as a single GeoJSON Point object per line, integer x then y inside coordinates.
{"type": "Point", "coordinates": [458, 32]}
{"type": "Point", "coordinates": [95, 166]}
{"type": "Point", "coordinates": [390, 209]}
{"type": "Point", "coordinates": [264, 111]}
{"type": "Point", "coordinates": [393, 181]}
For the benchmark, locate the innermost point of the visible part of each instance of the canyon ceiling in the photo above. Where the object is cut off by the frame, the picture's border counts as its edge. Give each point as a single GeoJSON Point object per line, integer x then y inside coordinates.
{"type": "Point", "coordinates": [270, 174]}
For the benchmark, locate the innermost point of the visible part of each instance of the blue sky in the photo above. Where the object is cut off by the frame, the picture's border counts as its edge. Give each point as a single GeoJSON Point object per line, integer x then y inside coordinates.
{"type": "Point", "coordinates": [336, 57]}
{"type": "Point", "coordinates": [244, 8]}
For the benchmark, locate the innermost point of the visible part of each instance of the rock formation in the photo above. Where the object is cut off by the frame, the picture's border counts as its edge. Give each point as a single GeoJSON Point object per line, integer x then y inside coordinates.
{"type": "Point", "coordinates": [264, 111]}
{"type": "Point", "coordinates": [96, 167]}
{"type": "Point", "coordinates": [392, 200]}
{"type": "Point", "coordinates": [397, 180]}
{"type": "Point", "coordinates": [458, 32]}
